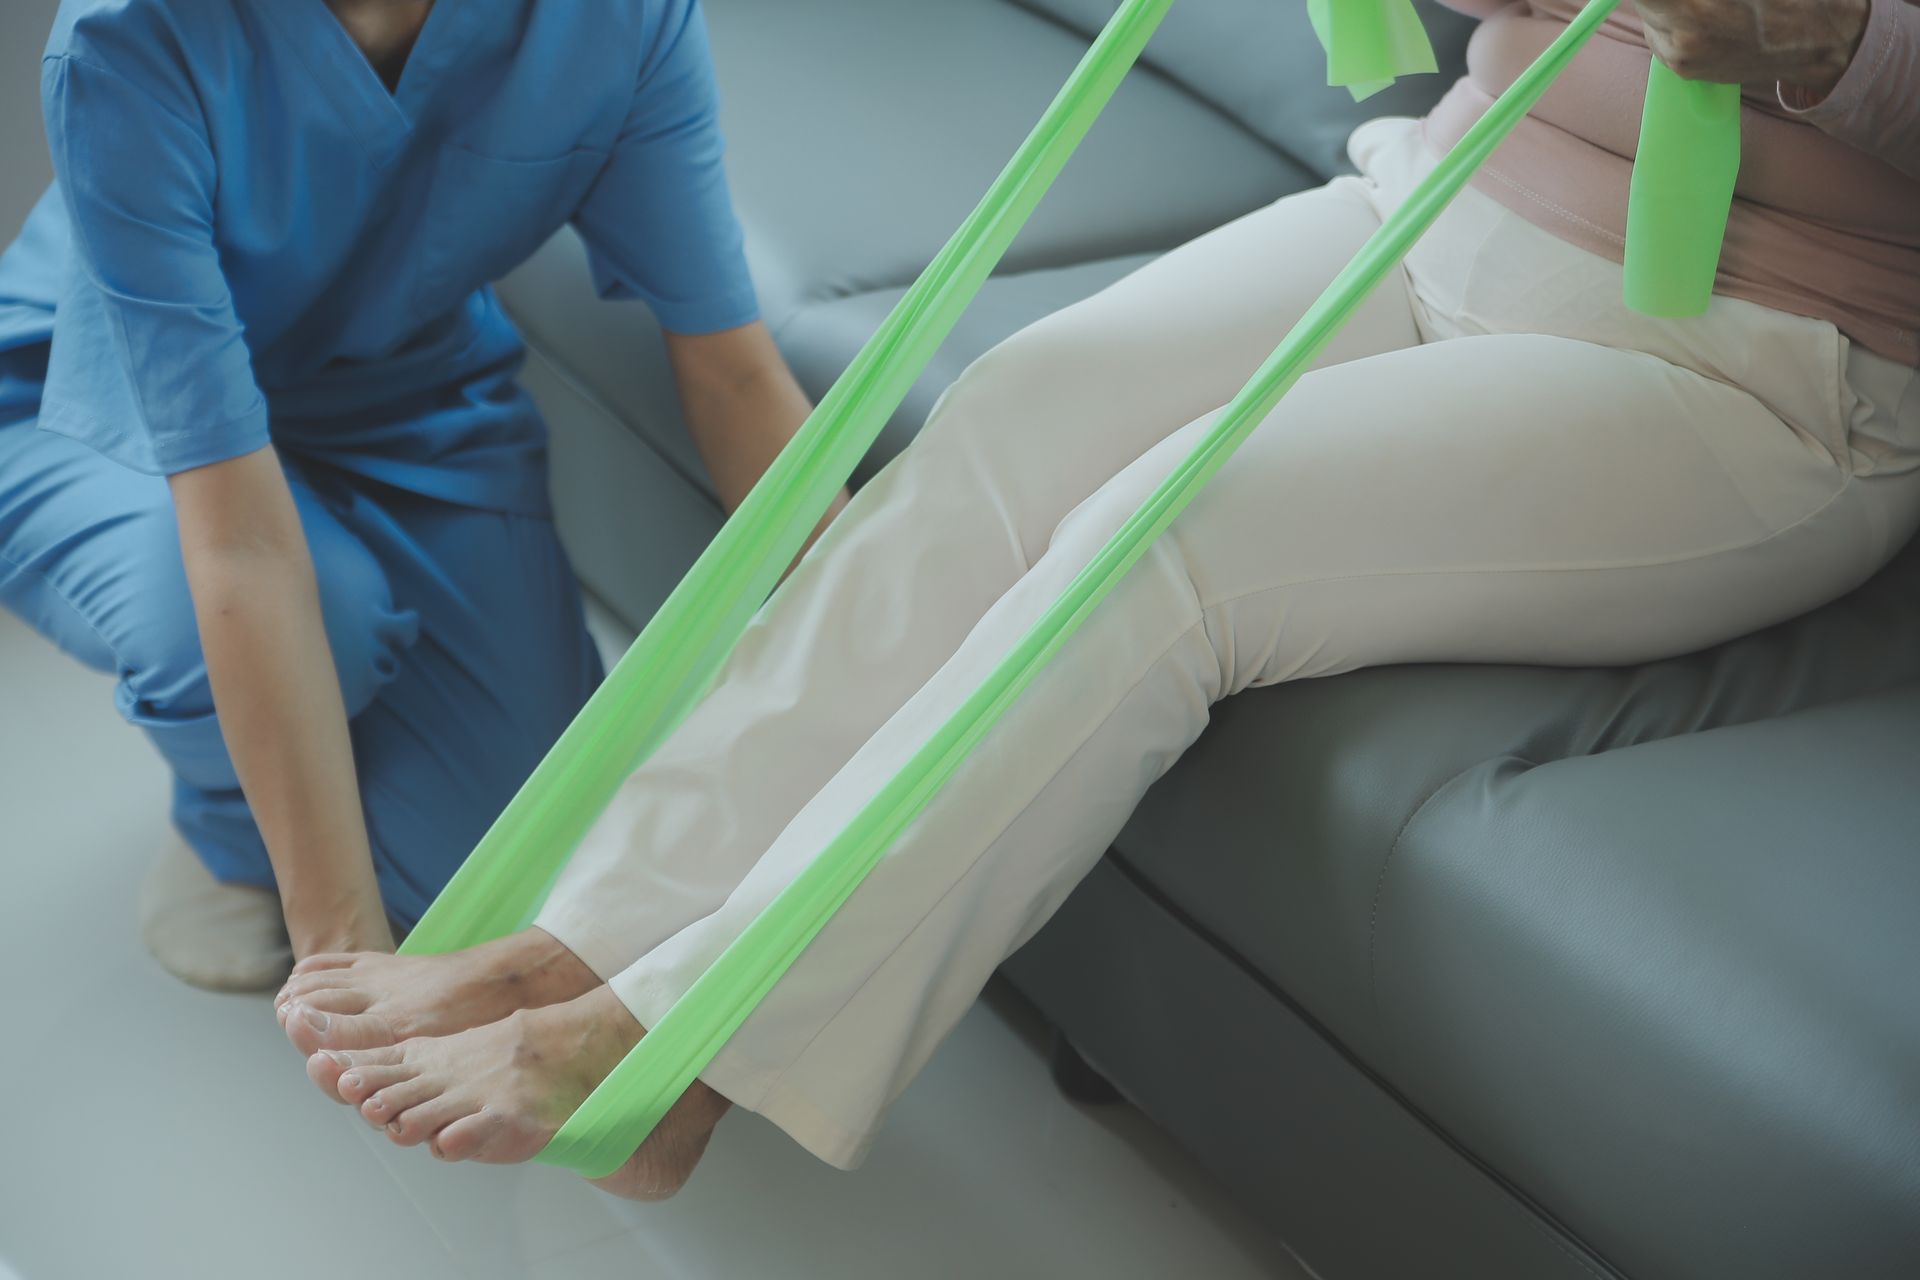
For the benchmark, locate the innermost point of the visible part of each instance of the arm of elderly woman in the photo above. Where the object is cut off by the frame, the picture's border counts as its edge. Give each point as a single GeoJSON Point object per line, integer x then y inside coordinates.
{"type": "Point", "coordinates": [1849, 67]}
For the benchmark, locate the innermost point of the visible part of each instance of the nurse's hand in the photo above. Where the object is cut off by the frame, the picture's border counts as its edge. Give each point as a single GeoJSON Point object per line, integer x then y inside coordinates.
{"type": "Point", "coordinates": [1804, 44]}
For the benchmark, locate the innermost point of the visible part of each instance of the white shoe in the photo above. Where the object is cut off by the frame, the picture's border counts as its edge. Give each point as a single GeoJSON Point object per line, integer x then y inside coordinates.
{"type": "Point", "coordinates": [219, 937]}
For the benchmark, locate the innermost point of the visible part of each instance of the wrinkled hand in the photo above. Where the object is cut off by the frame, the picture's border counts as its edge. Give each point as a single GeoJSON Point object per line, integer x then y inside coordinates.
{"type": "Point", "coordinates": [1804, 44]}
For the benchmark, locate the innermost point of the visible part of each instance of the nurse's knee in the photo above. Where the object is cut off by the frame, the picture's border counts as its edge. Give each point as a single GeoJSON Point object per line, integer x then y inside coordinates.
{"type": "Point", "coordinates": [150, 624]}
{"type": "Point", "coordinates": [152, 630]}
{"type": "Point", "coordinates": [366, 632]}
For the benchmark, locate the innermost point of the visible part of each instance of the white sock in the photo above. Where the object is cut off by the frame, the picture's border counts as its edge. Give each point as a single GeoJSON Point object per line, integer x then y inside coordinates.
{"type": "Point", "coordinates": [220, 937]}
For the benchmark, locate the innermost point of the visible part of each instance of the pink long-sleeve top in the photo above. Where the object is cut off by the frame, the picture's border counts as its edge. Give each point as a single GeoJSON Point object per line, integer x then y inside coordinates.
{"type": "Point", "coordinates": [1826, 216]}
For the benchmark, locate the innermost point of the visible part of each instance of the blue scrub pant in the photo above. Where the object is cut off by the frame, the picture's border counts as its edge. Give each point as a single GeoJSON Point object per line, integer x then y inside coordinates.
{"type": "Point", "coordinates": [458, 638]}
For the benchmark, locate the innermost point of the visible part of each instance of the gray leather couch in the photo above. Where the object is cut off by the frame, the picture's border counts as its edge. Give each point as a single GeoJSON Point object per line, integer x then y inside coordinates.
{"type": "Point", "coordinates": [1477, 972]}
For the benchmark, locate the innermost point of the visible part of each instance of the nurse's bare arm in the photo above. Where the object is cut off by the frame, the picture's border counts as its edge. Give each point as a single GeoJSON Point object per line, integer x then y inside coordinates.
{"type": "Point", "coordinates": [741, 403]}
{"type": "Point", "coordinates": [279, 703]}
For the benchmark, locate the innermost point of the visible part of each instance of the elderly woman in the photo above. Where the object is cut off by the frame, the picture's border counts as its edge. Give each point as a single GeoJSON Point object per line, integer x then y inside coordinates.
{"type": "Point", "coordinates": [1495, 462]}
{"type": "Point", "coordinates": [285, 484]}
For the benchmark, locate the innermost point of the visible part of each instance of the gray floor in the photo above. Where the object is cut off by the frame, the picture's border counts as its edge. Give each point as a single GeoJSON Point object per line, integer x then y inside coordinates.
{"type": "Point", "coordinates": [147, 1130]}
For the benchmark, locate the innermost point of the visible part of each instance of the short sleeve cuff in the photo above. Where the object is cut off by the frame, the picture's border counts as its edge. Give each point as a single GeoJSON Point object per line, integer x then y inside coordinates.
{"type": "Point", "coordinates": [157, 453]}
{"type": "Point", "coordinates": [692, 317]}
{"type": "Point", "coordinates": [1891, 26]}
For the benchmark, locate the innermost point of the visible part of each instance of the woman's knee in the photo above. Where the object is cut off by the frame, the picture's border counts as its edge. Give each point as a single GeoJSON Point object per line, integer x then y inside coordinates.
{"type": "Point", "coordinates": [1004, 403]}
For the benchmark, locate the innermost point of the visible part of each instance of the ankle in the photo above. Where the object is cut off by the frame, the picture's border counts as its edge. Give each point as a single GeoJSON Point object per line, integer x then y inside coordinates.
{"type": "Point", "coordinates": [611, 1024]}
{"type": "Point", "coordinates": [541, 970]}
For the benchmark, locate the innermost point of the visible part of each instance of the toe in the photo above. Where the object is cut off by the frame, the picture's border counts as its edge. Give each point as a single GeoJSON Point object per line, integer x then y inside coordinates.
{"type": "Point", "coordinates": [303, 985]}
{"type": "Point", "coordinates": [420, 1123]}
{"type": "Point", "coordinates": [390, 1103]}
{"type": "Point", "coordinates": [332, 960]}
{"type": "Point", "coordinates": [306, 1027]}
{"type": "Point", "coordinates": [358, 1083]}
{"type": "Point", "coordinates": [325, 1069]}
{"type": "Point", "coordinates": [360, 1031]}
{"type": "Point", "coordinates": [313, 1029]}
{"type": "Point", "coordinates": [391, 1055]}
{"type": "Point", "coordinates": [467, 1138]}
{"type": "Point", "coordinates": [348, 1000]}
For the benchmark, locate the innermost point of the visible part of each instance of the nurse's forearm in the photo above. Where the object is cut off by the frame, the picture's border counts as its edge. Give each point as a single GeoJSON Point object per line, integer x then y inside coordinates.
{"type": "Point", "coordinates": [741, 403]}
{"type": "Point", "coordinates": [278, 698]}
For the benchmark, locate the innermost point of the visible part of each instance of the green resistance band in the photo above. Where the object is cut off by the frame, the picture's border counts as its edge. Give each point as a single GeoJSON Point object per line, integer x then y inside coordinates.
{"type": "Point", "coordinates": [671, 664]}
{"type": "Point", "coordinates": [612, 1123]}
{"type": "Point", "coordinates": [1682, 191]}
{"type": "Point", "coordinates": [1683, 173]}
{"type": "Point", "coordinates": [1371, 43]}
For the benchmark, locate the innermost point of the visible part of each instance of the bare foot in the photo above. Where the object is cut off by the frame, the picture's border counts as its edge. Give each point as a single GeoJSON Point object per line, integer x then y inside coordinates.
{"type": "Point", "coordinates": [370, 999]}
{"type": "Point", "coordinates": [498, 1093]}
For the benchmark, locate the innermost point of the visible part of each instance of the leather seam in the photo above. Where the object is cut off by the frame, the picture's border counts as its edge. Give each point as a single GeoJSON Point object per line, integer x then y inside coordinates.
{"type": "Point", "coordinates": [1380, 881]}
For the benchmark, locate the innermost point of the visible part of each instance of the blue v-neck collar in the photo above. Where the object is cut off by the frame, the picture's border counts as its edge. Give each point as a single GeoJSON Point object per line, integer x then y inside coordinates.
{"type": "Point", "coordinates": [383, 118]}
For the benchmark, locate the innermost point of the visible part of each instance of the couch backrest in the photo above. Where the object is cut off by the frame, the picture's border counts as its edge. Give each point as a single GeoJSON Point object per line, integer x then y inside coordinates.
{"type": "Point", "coordinates": [1258, 61]}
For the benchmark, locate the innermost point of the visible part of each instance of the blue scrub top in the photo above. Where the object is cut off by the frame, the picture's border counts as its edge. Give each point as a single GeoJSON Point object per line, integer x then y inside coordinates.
{"type": "Point", "coordinates": [251, 240]}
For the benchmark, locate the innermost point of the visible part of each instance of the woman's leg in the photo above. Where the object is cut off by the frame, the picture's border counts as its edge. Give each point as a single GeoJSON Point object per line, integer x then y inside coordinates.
{"type": "Point", "coordinates": [1028, 433]}
{"type": "Point", "coordinates": [897, 582]}
{"type": "Point", "coordinates": [1496, 498]}
{"type": "Point", "coordinates": [1600, 507]}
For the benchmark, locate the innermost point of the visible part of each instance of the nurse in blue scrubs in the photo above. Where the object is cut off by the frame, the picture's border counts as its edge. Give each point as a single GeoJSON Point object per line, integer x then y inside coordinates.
{"type": "Point", "coordinates": [263, 454]}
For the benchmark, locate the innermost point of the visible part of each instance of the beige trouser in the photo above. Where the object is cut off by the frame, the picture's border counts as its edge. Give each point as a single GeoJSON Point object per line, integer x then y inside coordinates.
{"type": "Point", "coordinates": [1494, 463]}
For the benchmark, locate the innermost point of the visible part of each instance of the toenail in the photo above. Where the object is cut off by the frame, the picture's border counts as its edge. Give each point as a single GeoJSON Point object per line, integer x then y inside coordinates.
{"type": "Point", "coordinates": [351, 1081]}
{"type": "Point", "coordinates": [337, 1059]}
{"type": "Point", "coordinates": [315, 1019]}
{"type": "Point", "coordinates": [376, 1105]}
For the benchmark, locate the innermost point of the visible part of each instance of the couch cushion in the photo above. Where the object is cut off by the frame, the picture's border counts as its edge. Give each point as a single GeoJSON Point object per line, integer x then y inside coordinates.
{"type": "Point", "coordinates": [1670, 990]}
{"type": "Point", "coordinates": [1258, 61]}
{"type": "Point", "coordinates": [860, 134]}
{"type": "Point", "coordinates": [1271, 833]}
